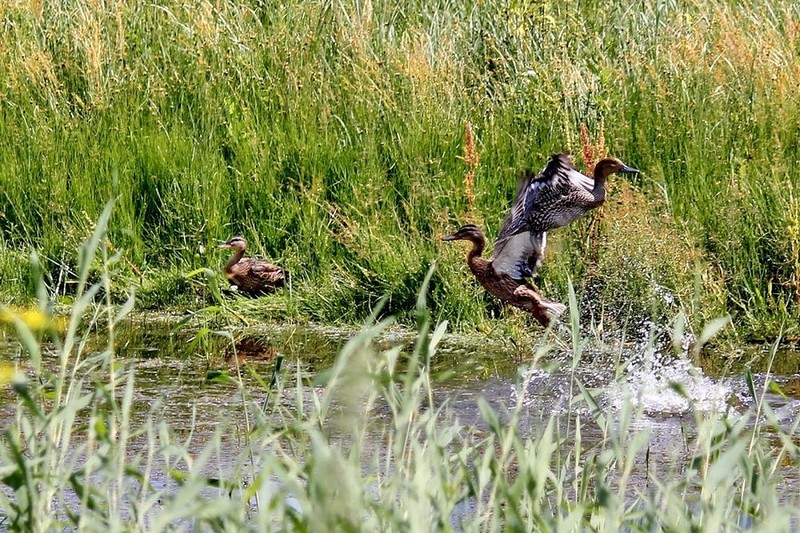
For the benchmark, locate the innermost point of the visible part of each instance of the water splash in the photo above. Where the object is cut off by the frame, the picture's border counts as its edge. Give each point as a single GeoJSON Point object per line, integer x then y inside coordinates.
{"type": "Point", "coordinates": [670, 388]}
{"type": "Point", "coordinates": [666, 383]}
{"type": "Point", "coordinates": [542, 390]}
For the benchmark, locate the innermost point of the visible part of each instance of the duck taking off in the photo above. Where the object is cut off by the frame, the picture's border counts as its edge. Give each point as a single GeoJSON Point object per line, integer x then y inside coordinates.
{"type": "Point", "coordinates": [558, 195]}
{"type": "Point", "coordinates": [515, 257]}
{"type": "Point", "coordinates": [253, 277]}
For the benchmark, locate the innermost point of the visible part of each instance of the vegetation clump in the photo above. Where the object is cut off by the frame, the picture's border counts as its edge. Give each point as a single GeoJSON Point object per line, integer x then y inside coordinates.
{"type": "Point", "coordinates": [331, 137]}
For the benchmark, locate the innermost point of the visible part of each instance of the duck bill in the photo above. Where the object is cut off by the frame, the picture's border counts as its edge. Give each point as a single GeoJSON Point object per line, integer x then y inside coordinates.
{"type": "Point", "coordinates": [628, 170]}
{"type": "Point", "coordinates": [450, 238]}
{"type": "Point", "coordinates": [224, 245]}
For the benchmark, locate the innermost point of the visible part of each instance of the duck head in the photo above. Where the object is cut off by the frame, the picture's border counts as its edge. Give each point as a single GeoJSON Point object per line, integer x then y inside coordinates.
{"type": "Point", "coordinates": [237, 243]}
{"type": "Point", "coordinates": [470, 232]}
{"type": "Point", "coordinates": [610, 165]}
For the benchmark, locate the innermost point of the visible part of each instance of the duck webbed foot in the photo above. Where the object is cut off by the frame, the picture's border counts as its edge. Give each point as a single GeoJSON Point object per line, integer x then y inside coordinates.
{"type": "Point", "coordinates": [542, 309]}
{"type": "Point", "coordinates": [553, 309]}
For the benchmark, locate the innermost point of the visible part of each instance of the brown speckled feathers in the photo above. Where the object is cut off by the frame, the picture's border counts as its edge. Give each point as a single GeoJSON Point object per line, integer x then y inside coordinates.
{"type": "Point", "coordinates": [253, 277]}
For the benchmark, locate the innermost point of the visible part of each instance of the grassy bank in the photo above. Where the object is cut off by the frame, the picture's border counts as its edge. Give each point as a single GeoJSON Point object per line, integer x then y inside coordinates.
{"type": "Point", "coordinates": [365, 446]}
{"type": "Point", "coordinates": [332, 137]}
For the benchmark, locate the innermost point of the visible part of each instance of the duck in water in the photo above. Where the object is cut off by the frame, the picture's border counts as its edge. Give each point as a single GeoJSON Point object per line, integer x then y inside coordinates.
{"type": "Point", "coordinates": [253, 277]}
{"type": "Point", "coordinates": [558, 195]}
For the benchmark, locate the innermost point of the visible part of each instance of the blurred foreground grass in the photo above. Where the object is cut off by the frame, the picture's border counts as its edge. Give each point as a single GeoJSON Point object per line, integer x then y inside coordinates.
{"type": "Point", "coordinates": [367, 444]}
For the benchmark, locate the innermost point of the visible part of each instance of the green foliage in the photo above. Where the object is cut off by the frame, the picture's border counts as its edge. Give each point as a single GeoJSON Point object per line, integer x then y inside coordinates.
{"type": "Point", "coordinates": [331, 136]}
{"type": "Point", "coordinates": [168, 289]}
{"type": "Point", "coordinates": [15, 274]}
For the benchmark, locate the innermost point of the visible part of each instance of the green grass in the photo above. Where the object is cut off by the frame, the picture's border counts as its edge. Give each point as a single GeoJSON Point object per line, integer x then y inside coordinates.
{"type": "Point", "coordinates": [331, 136]}
{"type": "Point", "coordinates": [77, 457]}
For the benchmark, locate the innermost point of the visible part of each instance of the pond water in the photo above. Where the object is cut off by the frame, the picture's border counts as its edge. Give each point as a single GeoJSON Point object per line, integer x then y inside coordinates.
{"type": "Point", "coordinates": [184, 373]}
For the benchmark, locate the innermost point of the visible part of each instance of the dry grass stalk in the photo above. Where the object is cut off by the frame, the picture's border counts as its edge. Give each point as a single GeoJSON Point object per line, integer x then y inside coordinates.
{"type": "Point", "coordinates": [587, 149]}
{"type": "Point", "coordinates": [591, 153]}
{"type": "Point", "coordinates": [793, 231]}
{"type": "Point", "coordinates": [114, 249]}
{"type": "Point", "coordinates": [600, 150]}
{"type": "Point", "coordinates": [472, 159]}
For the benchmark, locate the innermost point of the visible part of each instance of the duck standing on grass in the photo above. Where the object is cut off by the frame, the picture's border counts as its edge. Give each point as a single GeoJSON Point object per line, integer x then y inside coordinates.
{"type": "Point", "coordinates": [253, 277]}
{"type": "Point", "coordinates": [555, 197]}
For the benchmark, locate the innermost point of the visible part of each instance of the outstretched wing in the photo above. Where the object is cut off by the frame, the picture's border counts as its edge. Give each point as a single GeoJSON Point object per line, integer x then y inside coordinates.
{"type": "Point", "coordinates": [559, 177]}
{"type": "Point", "coordinates": [520, 245]}
{"type": "Point", "coordinates": [535, 193]}
{"type": "Point", "coordinates": [514, 221]}
{"type": "Point", "coordinates": [519, 255]}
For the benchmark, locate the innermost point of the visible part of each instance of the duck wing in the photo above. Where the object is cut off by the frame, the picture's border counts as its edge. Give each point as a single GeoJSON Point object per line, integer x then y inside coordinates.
{"type": "Point", "coordinates": [266, 272]}
{"type": "Point", "coordinates": [519, 255]}
{"type": "Point", "coordinates": [520, 245]}
{"type": "Point", "coordinates": [557, 186]}
{"type": "Point", "coordinates": [517, 249]}
{"type": "Point", "coordinates": [559, 177]}
{"type": "Point", "coordinates": [542, 196]}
